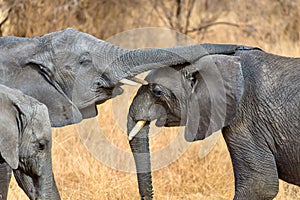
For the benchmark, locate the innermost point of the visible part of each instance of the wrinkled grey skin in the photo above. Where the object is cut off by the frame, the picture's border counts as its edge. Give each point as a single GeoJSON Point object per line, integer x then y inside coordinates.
{"type": "Point", "coordinates": [259, 116]}
{"type": "Point", "coordinates": [25, 145]}
{"type": "Point", "coordinates": [71, 71]}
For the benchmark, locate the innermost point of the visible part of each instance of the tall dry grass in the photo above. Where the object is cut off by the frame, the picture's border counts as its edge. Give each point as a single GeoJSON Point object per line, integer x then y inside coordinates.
{"type": "Point", "coordinates": [271, 25]}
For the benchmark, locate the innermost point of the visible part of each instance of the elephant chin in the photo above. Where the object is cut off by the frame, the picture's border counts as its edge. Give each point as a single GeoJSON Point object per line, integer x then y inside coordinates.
{"type": "Point", "coordinates": [160, 122]}
{"type": "Point", "coordinates": [169, 121]}
{"type": "Point", "coordinates": [89, 112]}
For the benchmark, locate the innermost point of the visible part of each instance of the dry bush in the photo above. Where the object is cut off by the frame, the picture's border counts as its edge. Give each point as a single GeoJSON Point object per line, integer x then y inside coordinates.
{"type": "Point", "coordinates": [271, 25]}
{"type": "Point", "coordinates": [101, 18]}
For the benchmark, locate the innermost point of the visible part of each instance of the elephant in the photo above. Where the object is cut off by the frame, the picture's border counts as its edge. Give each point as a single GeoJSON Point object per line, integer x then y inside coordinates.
{"type": "Point", "coordinates": [251, 96]}
{"type": "Point", "coordinates": [71, 71]}
{"type": "Point", "coordinates": [80, 71]}
{"type": "Point", "coordinates": [25, 145]}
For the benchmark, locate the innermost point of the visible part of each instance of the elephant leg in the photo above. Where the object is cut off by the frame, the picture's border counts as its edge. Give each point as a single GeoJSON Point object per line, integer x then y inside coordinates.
{"type": "Point", "coordinates": [254, 166]}
{"type": "Point", "coordinates": [5, 176]}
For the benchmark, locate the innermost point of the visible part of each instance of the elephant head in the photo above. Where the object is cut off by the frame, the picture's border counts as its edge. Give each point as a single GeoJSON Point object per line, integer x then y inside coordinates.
{"type": "Point", "coordinates": [71, 71]}
{"type": "Point", "coordinates": [202, 96]}
{"type": "Point", "coordinates": [26, 143]}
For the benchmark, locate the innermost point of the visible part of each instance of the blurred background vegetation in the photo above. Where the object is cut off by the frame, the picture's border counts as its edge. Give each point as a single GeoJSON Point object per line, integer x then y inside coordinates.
{"type": "Point", "coordinates": [273, 25]}
{"type": "Point", "coordinates": [264, 22]}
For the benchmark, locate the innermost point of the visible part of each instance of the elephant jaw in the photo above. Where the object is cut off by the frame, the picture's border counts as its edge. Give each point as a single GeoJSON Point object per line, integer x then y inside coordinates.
{"type": "Point", "coordinates": [89, 111]}
{"type": "Point", "coordinates": [169, 120]}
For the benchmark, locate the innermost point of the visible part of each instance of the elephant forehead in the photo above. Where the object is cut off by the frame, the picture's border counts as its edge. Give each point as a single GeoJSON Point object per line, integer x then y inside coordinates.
{"type": "Point", "coordinates": [167, 77]}
{"type": "Point", "coordinates": [70, 38]}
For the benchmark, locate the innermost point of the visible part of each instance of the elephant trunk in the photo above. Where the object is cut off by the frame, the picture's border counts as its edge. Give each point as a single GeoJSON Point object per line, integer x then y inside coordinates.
{"type": "Point", "coordinates": [55, 193]}
{"type": "Point", "coordinates": [38, 186]}
{"type": "Point", "coordinates": [132, 62]}
{"type": "Point", "coordinates": [140, 148]}
{"type": "Point", "coordinates": [46, 186]}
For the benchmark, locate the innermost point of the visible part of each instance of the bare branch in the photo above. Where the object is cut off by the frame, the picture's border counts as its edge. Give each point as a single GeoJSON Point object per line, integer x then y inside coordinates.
{"type": "Point", "coordinates": [178, 14]}
{"type": "Point", "coordinates": [155, 7]}
{"type": "Point", "coordinates": [4, 20]}
{"type": "Point", "coordinates": [190, 7]}
{"type": "Point", "coordinates": [205, 26]}
{"type": "Point", "coordinates": [168, 14]}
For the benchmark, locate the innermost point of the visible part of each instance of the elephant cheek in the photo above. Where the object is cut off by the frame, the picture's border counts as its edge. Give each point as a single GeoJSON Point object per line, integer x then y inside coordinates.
{"type": "Point", "coordinates": [158, 112]}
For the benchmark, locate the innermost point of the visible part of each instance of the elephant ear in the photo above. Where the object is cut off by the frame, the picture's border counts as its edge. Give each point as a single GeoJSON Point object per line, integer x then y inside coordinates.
{"type": "Point", "coordinates": [37, 76]}
{"type": "Point", "coordinates": [214, 88]}
{"type": "Point", "coordinates": [38, 80]}
{"type": "Point", "coordinates": [9, 139]}
{"type": "Point", "coordinates": [10, 126]}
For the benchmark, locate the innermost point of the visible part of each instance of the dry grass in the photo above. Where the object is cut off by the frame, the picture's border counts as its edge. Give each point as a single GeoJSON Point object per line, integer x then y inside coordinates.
{"type": "Point", "coordinates": [80, 176]}
{"type": "Point", "coordinates": [271, 25]}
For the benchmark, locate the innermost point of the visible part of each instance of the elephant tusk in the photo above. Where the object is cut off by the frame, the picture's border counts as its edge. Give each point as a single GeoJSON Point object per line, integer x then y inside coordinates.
{"type": "Point", "coordinates": [128, 82]}
{"type": "Point", "coordinates": [133, 81]}
{"type": "Point", "coordinates": [139, 80]}
{"type": "Point", "coordinates": [139, 125]}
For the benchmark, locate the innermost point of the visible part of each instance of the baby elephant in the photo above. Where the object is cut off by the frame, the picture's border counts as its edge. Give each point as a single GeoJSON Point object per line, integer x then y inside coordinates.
{"type": "Point", "coordinates": [25, 145]}
{"type": "Point", "coordinates": [252, 96]}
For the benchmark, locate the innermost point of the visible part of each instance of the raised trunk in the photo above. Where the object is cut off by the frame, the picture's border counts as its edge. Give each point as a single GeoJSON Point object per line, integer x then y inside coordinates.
{"type": "Point", "coordinates": [133, 62]}
{"type": "Point", "coordinates": [140, 148]}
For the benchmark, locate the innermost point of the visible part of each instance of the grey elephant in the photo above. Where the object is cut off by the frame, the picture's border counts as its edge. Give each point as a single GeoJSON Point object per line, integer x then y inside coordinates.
{"type": "Point", "coordinates": [25, 145]}
{"type": "Point", "coordinates": [79, 71]}
{"type": "Point", "coordinates": [251, 95]}
{"type": "Point", "coordinates": [71, 72]}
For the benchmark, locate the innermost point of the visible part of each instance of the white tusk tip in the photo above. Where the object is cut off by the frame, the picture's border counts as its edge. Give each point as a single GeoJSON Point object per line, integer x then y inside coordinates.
{"type": "Point", "coordinates": [128, 82]}
{"type": "Point", "coordinates": [135, 130]}
{"type": "Point", "coordinates": [130, 138]}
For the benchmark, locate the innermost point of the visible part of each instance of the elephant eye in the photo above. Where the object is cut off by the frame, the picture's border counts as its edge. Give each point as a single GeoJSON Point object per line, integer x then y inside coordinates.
{"type": "Point", "coordinates": [42, 144]}
{"type": "Point", "coordinates": [46, 72]}
{"type": "Point", "coordinates": [157, 91]}
{"type": "Point", "coordinates": [85, 62]}
{"type": "Point", "coordinates": [85, 59]}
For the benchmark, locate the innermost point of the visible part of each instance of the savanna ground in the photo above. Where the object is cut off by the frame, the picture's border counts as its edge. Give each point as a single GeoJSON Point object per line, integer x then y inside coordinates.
{"type": "Point", "coordinates": [271, 25]}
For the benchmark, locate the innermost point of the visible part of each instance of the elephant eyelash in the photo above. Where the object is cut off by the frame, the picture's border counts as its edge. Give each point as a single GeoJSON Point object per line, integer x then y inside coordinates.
{"type": "Point", "coordinates": [158, 90]}
{"type": "Point", "coordinates": [192, 81]}
{"type": "Point", "coordinates": [42, 144]}
{"type": "Point", "coordinates": [85, 59]}
{"type": "Point", "coordinates": [85, 62]}
{"type": "Point", "coordinates": [102, 82]}
{"type": "Point", "coordinates": [190, 78]}
{"type": "Point", "coordinates": [46, 72]}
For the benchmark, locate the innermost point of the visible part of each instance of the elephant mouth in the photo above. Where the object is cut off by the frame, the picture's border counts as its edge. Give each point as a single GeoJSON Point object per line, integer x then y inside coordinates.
{"type": "Point", "coordinates": [172, 124]}
{"type": "Point", "coordinates": [89, 111]}
{"type": "Point", "coordinates": [168, 121]}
